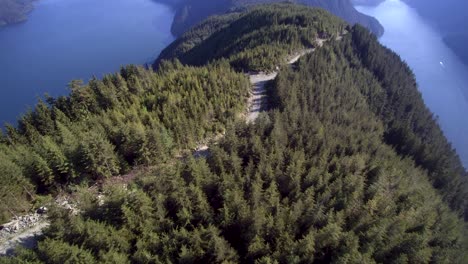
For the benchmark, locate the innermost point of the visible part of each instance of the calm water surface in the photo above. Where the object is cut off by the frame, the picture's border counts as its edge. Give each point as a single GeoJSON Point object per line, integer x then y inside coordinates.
{"type": "Point", "coordinates": [442, 77]}
{"type": "Point", "coordinates": [75, 39]}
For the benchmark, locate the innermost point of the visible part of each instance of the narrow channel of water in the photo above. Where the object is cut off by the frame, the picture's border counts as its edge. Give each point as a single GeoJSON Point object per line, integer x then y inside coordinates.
{"type": "Point", "coordinates": [442, 77]}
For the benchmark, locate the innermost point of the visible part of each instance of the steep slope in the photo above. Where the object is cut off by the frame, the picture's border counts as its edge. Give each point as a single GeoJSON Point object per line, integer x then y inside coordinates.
{"type": "Point", "coordinates": [107, 127]}
{"type": "Point", "coordinates": [346, 166]}
{"type": "Point", "coordinates": [191, 12]}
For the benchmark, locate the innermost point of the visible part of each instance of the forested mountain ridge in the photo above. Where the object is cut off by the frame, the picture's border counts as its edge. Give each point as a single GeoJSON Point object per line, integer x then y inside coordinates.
{"type": "Point", "coordinates": [133, 118]}
{"type": "Point", "coordinates": [192, 12]}
{"type": "Point", "coordinates": [253, 40]}
{"type": "Point", "coordinates": [249, 46]}
{"type": "Point", "coordinates": [14, 11]}
{"type": "Point", "coordinates": [346, 166]}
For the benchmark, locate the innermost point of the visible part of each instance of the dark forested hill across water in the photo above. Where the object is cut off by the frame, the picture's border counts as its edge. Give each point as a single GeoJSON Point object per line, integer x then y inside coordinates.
{"type": "Point", "coordinates": [449, 17]}
{"type": "Point", "coordinates": [14, 11]}
{"type": "Point", "coordinates": [192, 12]}
{"type": "Point", "coordinates": [347, 165]}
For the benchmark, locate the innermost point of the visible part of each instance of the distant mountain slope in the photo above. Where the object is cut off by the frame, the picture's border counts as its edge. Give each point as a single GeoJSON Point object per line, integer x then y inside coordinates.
{"type": "Point", "coordinates": [14, 11]}
{"type": "Point", "coordinates": [192, 12]}
{"type": "Point", "coordinates": [449, 17]}
{"type": "Point", "coordinates": [250, 43]}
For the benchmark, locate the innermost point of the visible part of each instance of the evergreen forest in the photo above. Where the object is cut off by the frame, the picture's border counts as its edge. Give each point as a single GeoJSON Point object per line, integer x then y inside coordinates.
{"type": "Point", "coordinates": [346, 165]}
{"type": "Point", "coordinates": [189, 13]}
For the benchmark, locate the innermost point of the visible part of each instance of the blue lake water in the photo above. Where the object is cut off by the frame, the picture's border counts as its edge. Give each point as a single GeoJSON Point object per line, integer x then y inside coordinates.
{"type": "Point", "coordinates": [441, 76]}
{"type": "Point", "coordinates": [75, 39]}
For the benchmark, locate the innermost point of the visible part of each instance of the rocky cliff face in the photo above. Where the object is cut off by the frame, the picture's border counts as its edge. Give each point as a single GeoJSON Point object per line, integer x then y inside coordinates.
{"type": "Point", "coordinates": [191, 12]}
{"type": "Point", "coordinates": [346, 10]}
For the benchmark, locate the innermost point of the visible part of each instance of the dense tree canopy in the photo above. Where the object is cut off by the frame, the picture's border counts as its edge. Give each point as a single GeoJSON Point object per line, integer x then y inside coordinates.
{"type": "Point", "coordinates": [347, 165]}
{"type": "Point", "coordinates": [257, 39]}
{"type": "Point", "coordinates": [106, 127]}
{"type": "Point", "coordinates": [191, 12]}
{"type": "Point", "coordinates": [410, 126]}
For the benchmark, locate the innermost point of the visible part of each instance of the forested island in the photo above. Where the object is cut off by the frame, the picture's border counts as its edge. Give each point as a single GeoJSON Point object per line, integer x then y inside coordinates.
{"type": "Point", "coordinates": [192, 12]}
{"type": "Point", "coordinates": [14, 11]}
{"type": "Point", "coordinates": [345, 165]}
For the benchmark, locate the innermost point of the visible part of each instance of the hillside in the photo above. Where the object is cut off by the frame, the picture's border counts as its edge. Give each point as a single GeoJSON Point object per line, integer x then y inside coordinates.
{"type": "Point", "coordinates": [261, 45]}
{"type": "Point", "coordinates": [345, 165]}
{"type": "Point", "coordinates": [191, 12]}
{"type": "Point", "coordinates": [253, 41]}
{"type": "Point", "coordinates": [14, 11]}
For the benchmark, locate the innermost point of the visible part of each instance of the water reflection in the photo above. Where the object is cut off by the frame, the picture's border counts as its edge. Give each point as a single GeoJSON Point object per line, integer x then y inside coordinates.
{"type": "Point", "coordinates": [442, 77]}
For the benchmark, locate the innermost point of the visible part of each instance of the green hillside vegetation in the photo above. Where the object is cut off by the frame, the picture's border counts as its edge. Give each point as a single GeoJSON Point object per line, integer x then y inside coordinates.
{"type": "Point", "coordinates": [409, 125]}
{"type": "Point", "coordinates": [449, 18]}
{"type": "Point", "coordinates": [191, 12]}
{"type": "Point", "coordinates": [14, 11]}
{"type": "Point", "coordinates": [132, 118]}
{"type": "Point", "coordinates": [258, 39]}
{"type": "Point", "coordinates": [347, 165]}
{"type": "Point", "coordinates": [416, 135]}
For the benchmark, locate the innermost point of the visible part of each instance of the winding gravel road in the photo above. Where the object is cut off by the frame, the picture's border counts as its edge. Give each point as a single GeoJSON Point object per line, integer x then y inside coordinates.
{"type": "Point", "coordinates": [27, 239]}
